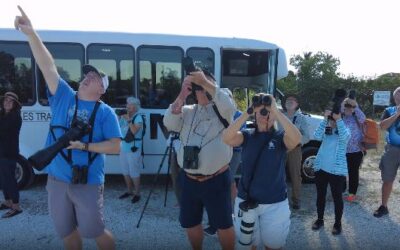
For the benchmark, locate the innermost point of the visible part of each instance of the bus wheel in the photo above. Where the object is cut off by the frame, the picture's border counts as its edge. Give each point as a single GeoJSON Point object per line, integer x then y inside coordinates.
{"type": "Point", "coordinates": [307, 164]}
{"type": "Point", "coordinates": [23, 173]}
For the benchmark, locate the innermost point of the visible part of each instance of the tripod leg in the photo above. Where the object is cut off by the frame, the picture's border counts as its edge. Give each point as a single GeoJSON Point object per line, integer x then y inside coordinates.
{"type": "Point", "coordinates": [168, 169]}
{"type": "Point", "coordinates": [152, 187]}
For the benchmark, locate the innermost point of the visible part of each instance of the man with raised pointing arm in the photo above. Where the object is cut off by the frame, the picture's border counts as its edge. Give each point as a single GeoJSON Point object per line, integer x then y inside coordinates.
{"type": "Point", "coordinates": [76, 175]}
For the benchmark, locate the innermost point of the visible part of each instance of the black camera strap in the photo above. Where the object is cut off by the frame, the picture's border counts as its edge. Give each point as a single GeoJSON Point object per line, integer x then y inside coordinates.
{"type": "Point", "coordinates": [91, 122]}
{"type": "Point", "coordinates": [68, 157]}
{"type": "Point", "coordinates": [265, 142]}
{"type": "Point", "coordinates": [223, 120]}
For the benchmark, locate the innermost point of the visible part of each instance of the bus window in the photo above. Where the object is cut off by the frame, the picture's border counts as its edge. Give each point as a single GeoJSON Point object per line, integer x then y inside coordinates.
{"type": "Point", "coordinates": [202, 57]}
{"type": "Point", "coordinates": [160, 75]}
{"type": "Point", "coordinates": [69, 58]}
{"type": "Point", "coordinates": [16, 71]}
{"type": "Point", "coordinates": [117, 61]}
{"type": "Point", "coordinates": [247, 69]}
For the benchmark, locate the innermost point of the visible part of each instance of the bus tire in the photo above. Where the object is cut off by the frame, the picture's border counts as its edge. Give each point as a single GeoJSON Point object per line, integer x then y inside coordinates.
{"type": "Point", "coordinates": [307, 164]}
{"type": "Point", "coordinates": [24, 173]}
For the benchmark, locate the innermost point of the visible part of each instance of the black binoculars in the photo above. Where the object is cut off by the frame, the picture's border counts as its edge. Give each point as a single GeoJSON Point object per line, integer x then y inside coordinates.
{"type": "Point", "coordinates": [261, 99]}
{"type": "Point", "coordinates": [258, 100]}
{"type": "Point", "coordinates": [79, 174]}
{"type": "Point", "coordinates": [191, 157]}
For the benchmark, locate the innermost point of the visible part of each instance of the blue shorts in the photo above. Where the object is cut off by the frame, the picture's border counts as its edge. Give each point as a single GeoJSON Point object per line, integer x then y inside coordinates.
{"type": "Point", "coordinates": [214, 195]}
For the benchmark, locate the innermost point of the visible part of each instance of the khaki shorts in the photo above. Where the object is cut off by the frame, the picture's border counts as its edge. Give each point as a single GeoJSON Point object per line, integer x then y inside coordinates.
{"type": "Point", "coordinates": [76, 206]}
{"type": "Point", "coordinates": [390, 162]}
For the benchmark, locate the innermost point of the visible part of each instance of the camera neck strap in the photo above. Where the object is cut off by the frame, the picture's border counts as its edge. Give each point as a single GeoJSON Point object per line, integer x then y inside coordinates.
{"type": "Point", "coordinates": [68, 157]}
{"type": "Point", "coordinates": [223, 120]}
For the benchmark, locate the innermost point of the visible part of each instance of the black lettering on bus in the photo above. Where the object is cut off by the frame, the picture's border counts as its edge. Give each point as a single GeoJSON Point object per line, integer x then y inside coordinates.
{"type": "Point", "coordinates": [157, 119]}
{"type": "Point", "coordinates": [27, 116]}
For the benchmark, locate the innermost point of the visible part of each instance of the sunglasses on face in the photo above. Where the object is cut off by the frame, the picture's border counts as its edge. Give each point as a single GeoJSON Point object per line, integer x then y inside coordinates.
{"type": "Point", "coordinates": [349, 106]}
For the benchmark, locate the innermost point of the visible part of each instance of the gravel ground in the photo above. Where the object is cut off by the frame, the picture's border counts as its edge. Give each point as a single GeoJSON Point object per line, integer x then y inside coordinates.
{"type": "Point", "coordinates": [160, 229]}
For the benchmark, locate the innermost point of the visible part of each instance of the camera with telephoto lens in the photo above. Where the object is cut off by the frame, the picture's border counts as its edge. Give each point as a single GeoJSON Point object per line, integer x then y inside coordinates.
{"type": "Point", "coordinates": [247, 214]}
{"type": "Point", "coordinates": [352, 94]}
{"type": "Point", "coordinates": [42, 158]}
{"type": "Point", "coordinates": [191, 157]}
{"type": "Point", "coordinates": [120, 112]}
{"type": "Point", "coordinates": [79, 174]}
{"type": "Point", "coordinates": [189, 67]}
{"type": "Point", "coordinates": [258, 100]}
{"type": "Point", "coordinates": [336, 104]}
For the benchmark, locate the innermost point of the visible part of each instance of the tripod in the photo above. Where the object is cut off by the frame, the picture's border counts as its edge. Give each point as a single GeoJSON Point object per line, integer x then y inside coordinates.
{"type": "Point", "coordinates": [168, 152]}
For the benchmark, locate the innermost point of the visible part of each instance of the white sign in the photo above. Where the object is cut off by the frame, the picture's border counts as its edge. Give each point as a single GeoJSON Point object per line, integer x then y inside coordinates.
{"type": "Point", "coordinates": [381, 98]}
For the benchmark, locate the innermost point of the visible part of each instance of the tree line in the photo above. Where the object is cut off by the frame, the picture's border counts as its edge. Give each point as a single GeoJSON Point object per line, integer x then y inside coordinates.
{"type": "Point", "coordinates": [317, 77]}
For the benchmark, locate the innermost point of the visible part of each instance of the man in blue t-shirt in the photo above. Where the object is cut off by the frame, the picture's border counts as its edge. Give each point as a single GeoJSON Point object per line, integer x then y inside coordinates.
{"type": "Point", "coordinates": [76, 200]}
{"type": "Point", "coordinates": [390, 160]}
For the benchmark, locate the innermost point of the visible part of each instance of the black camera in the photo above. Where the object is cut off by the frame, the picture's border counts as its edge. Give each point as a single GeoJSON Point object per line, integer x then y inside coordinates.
{"type": "Point", "coordinates": [258, 100]}
{"type": "Point", "coordinates": [79, 174]}
{"type": "Point", "coordinates": [352, 94]}
{"type": "Point", "coordinates": [134, 149]}
{"type": "Point", "coordinates": [340, 95]}
{"type": "Point", "coordinates": [120, 112]}
{"type": "Point", "coordinates": [191, 157]}
{"type": "Point", "coordinates": [43, 157]}
{"type": "Point", "coordinates": [337, 100]}
{"type": "Point", "coordinates": [189, 67]}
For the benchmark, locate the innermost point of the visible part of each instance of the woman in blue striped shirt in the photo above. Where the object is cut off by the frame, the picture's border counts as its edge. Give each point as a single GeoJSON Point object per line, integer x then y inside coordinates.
{"type": "Point", "coordinates": [331, 166]}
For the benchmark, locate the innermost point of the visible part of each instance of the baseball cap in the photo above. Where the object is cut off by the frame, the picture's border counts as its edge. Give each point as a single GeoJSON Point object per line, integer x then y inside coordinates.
{"type": "Point", "coordinates": [104, 78]}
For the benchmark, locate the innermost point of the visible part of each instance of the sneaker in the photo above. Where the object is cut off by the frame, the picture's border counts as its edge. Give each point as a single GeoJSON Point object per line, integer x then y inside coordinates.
{"type": "Point", "coordinates": [351, 198]}
{"type": "Point", "coordinates": [337, 228]}
{"type": "Point", "coordinates": [135, 198]}
{"type": "Point", "coordinates": [317, 224]}
{"type": "Point", "coordinates": [125, 195]}
{"type": "Point", "coordinates": [210, 231]}
{"type": "Point", "coordinates": [381, 211]}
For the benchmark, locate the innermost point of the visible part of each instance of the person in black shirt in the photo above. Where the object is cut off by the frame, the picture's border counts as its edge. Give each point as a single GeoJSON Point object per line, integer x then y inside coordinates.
{"type": "Point", "coordinates": [10, 125]}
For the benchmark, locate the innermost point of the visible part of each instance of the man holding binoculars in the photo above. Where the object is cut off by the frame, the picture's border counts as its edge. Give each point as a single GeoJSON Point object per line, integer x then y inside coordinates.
{"type": "Point", "coordinates": [205, 178]}
{"type": "Point", "coordinates": [76, 174]}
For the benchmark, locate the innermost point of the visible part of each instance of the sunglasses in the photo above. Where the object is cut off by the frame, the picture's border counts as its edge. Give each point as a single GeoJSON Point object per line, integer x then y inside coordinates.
{"type": "Point", "coordinates": [349, 106]}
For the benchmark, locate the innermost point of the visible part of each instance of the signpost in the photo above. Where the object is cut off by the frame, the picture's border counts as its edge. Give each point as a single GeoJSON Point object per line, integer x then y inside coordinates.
{"type": "Point", "coordinates": [381, 98]}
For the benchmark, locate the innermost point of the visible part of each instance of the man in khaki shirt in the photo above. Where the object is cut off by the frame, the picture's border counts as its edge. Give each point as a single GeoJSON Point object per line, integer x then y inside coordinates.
{"type": "Point", "coordinates": [204, 157]}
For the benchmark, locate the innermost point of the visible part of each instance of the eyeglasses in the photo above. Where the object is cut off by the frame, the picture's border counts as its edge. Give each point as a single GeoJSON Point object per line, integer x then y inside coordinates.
{"type": "Point", "coordinates": [349, 106]}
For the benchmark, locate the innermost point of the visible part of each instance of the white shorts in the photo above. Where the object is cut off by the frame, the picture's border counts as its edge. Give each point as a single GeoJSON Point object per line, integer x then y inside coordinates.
{"type": "Point", "coordinates": [131, 163]}
{"type": "Point", "coordinates": [271, 225]}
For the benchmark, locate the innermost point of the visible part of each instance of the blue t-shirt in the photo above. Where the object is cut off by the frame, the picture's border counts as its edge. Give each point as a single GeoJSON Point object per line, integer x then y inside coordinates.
{"type": "Point", "coordinates": [393, 132]}
{"type": "Point", "coordinates": [124, 125]}
{"type": "Point", "coordinates": [62, 105]}
{"type": "Point", "coordinates": [269, 181]}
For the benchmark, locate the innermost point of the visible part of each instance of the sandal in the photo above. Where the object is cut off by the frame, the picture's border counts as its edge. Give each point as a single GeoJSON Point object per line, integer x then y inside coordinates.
{"type": "Point", "coordinates": [4, 206]}
{"type": "Point", "coordinates": [11, 213]}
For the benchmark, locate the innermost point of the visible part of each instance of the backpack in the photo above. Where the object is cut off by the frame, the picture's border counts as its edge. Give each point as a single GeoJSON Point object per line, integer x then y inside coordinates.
{"type": "Point", "coordinates": [370, 134]}
{"type": "Point", "coordinates": [370, 131]}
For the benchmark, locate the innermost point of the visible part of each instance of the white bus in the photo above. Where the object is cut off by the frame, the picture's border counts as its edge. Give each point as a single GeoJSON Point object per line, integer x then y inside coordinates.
{"type": "Point", "coordinates": [147, 66]}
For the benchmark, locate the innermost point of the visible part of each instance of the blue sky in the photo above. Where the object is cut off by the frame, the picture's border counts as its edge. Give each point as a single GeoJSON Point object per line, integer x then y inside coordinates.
{"type": "Point", "coordinates": [362, 34]}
